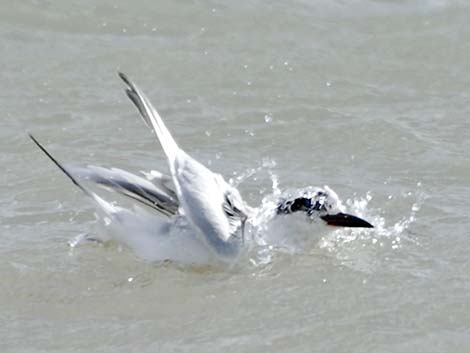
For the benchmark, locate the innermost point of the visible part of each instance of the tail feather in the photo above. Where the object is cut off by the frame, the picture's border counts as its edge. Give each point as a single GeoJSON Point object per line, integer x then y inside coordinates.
{"type": "Point", "coordinates": [106, 206]}
{"type": "Point", "coordinates": [151, 118]}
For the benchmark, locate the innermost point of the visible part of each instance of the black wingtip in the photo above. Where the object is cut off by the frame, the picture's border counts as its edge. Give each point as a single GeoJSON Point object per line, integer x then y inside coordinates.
{"type": "Point", "coordinates": [131, 89]}
{"type": "Point", "coordinates": [31, 136]}
{"type": "Point", "coordinates": [124, 77]}
{"type": "Point", "coordinates": [65, 171]}
{"type": "Point", "coordinates": [137, 98]}
{"type": "Point", "coordinates": [39, 145]}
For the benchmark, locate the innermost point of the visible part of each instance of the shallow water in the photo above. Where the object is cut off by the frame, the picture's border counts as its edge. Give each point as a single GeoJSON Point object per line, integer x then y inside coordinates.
{"type": "Point", "coordinates": [368, 97]}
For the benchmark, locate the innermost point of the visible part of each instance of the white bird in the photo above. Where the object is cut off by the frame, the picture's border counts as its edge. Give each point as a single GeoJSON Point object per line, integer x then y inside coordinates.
{"type": "Point", "coordinates": [193, 195]}
{"type": "Point", "coordinates": [214, 209]}
{"type": "Point", "coordinates": [212, 206]}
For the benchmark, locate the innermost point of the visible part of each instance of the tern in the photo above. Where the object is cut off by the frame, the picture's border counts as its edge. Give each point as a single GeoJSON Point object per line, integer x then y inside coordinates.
{"type": "Point", "coordinates": [213, 208]}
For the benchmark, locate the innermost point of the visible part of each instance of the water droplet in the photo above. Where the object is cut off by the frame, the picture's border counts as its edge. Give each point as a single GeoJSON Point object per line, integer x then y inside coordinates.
{"type": "Point", "coordinates": [245, 66]}
{"type": "Point", "coordinates": [327, 83]}
{"type": "Point", "coordinates": [208, 133]}
{"type": "Point", "coordinates": [107, 221]}
{"type": "Point", "coordinates": [130, 279]}
{"type": "Point", "coordinates": [268, 118]}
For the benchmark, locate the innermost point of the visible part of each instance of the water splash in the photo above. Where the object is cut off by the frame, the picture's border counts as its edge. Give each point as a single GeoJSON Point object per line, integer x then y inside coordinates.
{"type": "Point", "coordinates": [359, 249]}
{"type": "Point", "coordinates": [354, 247]}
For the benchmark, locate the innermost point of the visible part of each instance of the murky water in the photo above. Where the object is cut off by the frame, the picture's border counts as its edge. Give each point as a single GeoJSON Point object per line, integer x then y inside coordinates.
{"type": "Point", "coordinates": [368, 97]}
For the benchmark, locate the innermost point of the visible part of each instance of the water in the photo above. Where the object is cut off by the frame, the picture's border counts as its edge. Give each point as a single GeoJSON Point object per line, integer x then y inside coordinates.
{"type": "Point", "coordinates": [369, 97]}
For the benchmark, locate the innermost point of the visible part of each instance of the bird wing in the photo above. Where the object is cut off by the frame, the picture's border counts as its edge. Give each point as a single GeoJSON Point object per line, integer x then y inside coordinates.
{"type": "Point", "coordinates": [200, 191]}
{"type": "Point", "coordinates": [105, 206]}
{"type": "Point", "coordinates": [156, 194]}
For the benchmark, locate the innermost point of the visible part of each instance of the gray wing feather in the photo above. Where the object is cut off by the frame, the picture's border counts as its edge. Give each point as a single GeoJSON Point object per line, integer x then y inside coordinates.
{"type": "Point", "coordinates": [155, 194]}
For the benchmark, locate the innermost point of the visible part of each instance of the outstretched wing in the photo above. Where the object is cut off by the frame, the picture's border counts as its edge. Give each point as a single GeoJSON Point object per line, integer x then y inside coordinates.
{"type": "Point", "coordinates": [151, 118]}
{"type": "Point", "coordinates": [107, 207]}
{"type": "Point", "coordinates": [201, 193]}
